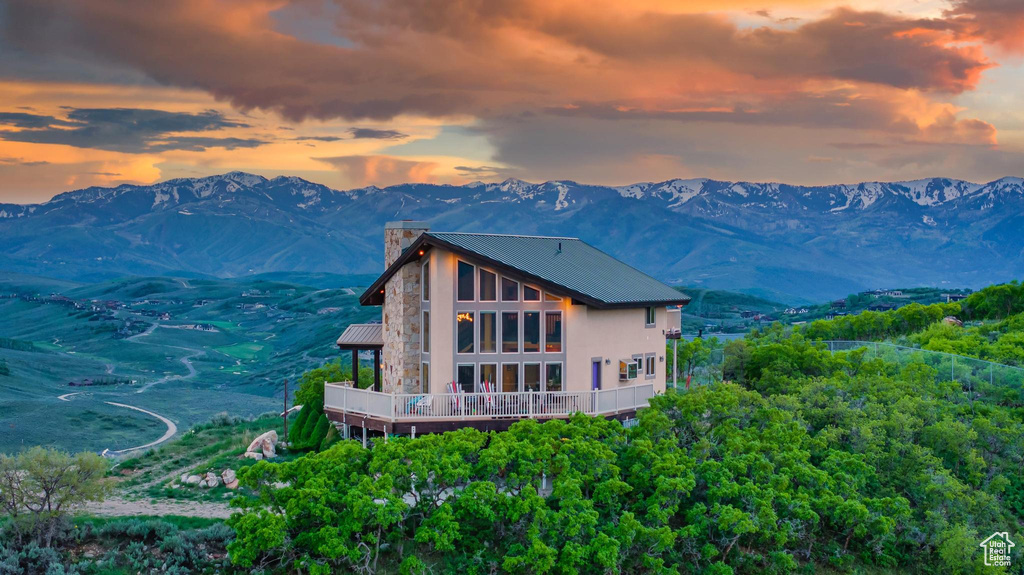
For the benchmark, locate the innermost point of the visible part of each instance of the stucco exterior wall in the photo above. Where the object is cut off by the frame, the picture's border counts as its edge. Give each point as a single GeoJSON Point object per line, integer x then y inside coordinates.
{"type": "Point", "coordinates": [614, 335]}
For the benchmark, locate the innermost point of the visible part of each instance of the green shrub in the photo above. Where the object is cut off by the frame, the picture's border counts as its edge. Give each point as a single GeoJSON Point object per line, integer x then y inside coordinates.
{"type": "Point", "coordinates": [295, 432]}
{"type": "Point", "coordinates": [323, 426]}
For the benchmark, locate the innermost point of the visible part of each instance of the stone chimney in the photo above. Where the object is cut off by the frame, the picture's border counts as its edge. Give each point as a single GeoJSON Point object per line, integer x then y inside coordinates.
{"type": "Point", "coordinates": [398, 236]}
{"type": "Point", "coordinates": [401, 312]}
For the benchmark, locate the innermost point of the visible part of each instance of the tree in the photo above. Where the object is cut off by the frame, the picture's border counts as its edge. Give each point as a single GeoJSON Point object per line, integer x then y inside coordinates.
{"type": "Point", "coordinates": [41, 486]}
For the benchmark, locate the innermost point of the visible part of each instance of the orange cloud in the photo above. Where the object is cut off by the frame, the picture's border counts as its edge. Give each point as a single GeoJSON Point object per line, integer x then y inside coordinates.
{"type": "Point", "coordinates": [382, 170]}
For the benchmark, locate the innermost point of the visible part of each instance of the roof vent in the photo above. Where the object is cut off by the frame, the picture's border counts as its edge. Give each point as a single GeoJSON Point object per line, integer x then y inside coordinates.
{"type": "Point", "coordinates": [559, 247]}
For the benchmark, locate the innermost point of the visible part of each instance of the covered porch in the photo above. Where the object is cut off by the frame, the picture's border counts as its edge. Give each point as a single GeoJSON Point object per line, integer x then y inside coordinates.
{"type": "Point", "coordinates": [363, 337]}
{"type": "Point", "coordinates": [409, 413]}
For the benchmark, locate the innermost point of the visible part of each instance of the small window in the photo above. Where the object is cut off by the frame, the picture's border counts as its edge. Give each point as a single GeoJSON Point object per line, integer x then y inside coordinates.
{"type": "Point", "coordinates": [510, 332]}
{"type": "Point", "coordinates": [488, 332]}
{"type": "Point", "coordinates": [425, 377]}
{"type": "Point", "coordinates": [553, 332]}
{"type": "Point", "coordinates": [553, 376]}
{"type": "Point", "coordinates": [627, 370]}
{"type": "Point", "coordinates": [509, 377]}
{"type": "Point", "coordinates": [531, 377]}
{"type": "Point", "coordinates": [465, 375]}
{"type": "Point", "coordinates": [649, 316]}
{"type": "Point", "coordinates": [488, 286]}
{"type": "Point", "coordinates": [650, 366]}
{"type": "Point", "coordinates": [531, 293]}
{"type": "Point", "coordinates": [464, 319]}
{"type": "Point", "coordinates": [531, 331]}
{"type": "Point", "coordinates": [425, 282]}
{"type": "Point", "coordinates": [509, 290]}
{"type": "Point", "coordinates": [551, 297]}
{"type": "Point", "coordinates": [465, 281]}
{"type": "Point", "coordinates": [639, 361]}
{"type": "Point", "coordinates": [489, 375]}
{"type": "Point", "coordinates": [425, 331]}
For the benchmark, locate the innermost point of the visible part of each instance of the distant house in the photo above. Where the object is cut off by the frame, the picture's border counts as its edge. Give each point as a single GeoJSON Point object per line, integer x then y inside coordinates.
{"type": "Point", "coordinates": [883, 306]}
{"type": "Point", "coordinates": [838, 304]}
{"type": "Point", "coordinates": [835, 314]}
{"type": "Point", "coordinates": [745, 314]}
{"type": "Point", "coordinates": [955, 297]}
{"type": "Point", "coordinates": [482, 330]}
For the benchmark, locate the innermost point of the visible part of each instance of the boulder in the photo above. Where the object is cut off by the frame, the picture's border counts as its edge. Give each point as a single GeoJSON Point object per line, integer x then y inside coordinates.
{"type": "Point", "coordinates": [258, 443]}
{"type": "Point", "coordinates": [184, 478]}
{"type": "Point", "coordinates": [193, 480]}
{"type": "Point", "coordinates": [231, 484]}
{"type": "Point", "coordinates": [228, 475]}
{"type": "Point", "coordinates": [268, 450]}
{"type": "Point", "coordinates": [212, 480]}
{"type": "Point", "coordinates": [253, 455]}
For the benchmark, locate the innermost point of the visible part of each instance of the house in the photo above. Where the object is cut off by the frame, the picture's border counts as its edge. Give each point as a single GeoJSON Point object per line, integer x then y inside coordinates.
{"type": "Point", "coordinates": [483, 330]}
{"type": "Point", "coordinates": [955, 297]}
{"type": "Point", "coordinates": [883, 306]}
{"type": "Point", "coordinates": [838, 304]}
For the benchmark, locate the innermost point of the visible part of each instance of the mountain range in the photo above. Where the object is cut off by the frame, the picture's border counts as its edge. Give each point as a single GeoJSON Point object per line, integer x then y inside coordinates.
{"type": "Point", "coordinates": [789, 243]}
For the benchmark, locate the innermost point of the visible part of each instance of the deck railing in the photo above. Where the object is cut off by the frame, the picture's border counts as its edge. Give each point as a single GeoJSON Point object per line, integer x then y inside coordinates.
{"type": "Point", "coordinates": [496, 405]}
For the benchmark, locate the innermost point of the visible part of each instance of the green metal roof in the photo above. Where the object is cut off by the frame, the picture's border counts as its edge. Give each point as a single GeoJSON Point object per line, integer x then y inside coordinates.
{"type": "Point", "coordinates": [568, 265]}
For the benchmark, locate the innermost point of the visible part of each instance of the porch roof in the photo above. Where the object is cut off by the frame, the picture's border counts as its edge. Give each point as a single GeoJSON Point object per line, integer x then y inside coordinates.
{"type": "Point", "coordinates": [362, 336]}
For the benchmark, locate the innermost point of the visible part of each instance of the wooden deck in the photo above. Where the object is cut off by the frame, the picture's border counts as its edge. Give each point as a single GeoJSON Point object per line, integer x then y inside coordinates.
{"type": "Point", "coordinates": [406, 413]}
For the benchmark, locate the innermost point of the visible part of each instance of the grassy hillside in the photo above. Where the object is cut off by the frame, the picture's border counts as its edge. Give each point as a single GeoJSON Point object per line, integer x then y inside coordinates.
{"type": "Point", "coordinates": [190, 348]}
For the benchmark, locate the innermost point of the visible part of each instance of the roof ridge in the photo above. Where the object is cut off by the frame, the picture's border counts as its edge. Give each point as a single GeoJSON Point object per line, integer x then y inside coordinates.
{"type": "Point", "coordinates": [508, 235]}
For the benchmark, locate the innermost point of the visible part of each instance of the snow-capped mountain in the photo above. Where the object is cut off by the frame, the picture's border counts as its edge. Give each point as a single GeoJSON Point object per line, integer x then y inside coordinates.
{"type": "Point", "coordinates": [773, 239]}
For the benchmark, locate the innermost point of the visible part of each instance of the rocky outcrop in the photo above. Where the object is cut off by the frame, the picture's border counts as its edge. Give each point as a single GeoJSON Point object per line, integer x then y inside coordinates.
{"type": "Point", "coordinates": [263, 446]}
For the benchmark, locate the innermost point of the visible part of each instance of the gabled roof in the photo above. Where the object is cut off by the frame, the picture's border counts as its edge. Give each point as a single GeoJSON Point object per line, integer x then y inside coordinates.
{"type": "Point", "coordinates": [566, 266]}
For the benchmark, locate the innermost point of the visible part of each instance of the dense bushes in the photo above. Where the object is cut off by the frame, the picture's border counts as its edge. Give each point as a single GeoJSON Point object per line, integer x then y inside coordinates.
{"type": "Point", "coordinates": [818, 460]}
{"type": "Point", "coordinates": [872, 325]}
{"type": "Point", "coordinates": [122, 545]}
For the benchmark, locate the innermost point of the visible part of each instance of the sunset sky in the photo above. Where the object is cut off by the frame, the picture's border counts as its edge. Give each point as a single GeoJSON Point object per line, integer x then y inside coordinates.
{"type": "Point", "coordinates": [356, 92]}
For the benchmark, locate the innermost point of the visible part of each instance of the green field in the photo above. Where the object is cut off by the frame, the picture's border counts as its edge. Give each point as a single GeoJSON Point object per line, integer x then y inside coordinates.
{"type": "Point", "coordinates": [184, 374]}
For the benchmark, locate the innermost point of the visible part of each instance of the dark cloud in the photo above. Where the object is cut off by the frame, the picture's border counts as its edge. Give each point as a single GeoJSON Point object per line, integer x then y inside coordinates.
{"type": "Point", "coordinates": [24, 120]}
{"type": "Point", "coordinates": [370, 133]}
{"type": "Point", "coordinates": [130, 130]}
{"type": "Point", "coordinates": [22, 162]}
{"type": "Point", "coordinates": [1000, 22]}
{"type": "Point", "coordinates": [317, 139]}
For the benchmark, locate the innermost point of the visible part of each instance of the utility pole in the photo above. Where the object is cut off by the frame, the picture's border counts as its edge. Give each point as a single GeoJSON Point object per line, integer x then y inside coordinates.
{"type": "Point", "coordinates": [286, 411]}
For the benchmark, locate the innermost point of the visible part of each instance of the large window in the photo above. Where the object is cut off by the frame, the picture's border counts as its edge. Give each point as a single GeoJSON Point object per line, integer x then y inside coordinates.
{"type": "Point", "coordinates": [488, 332]}
{"type": "Point", "coordinates": [509, 377]}
{"type": "Point", "coordinates": [531, 377]}
{"type": "Point", "coordinates": [488, 286]}
{"type": "Point", "coordinates": [553, 332]}
{"type": "Point", "coordinates": [531, 331]}
{"type": "Point", "coordinates": [425, 376]}
{"type": "Point", "coordinates": [510, 332]}
{"type": "Point", "coordinates": [425, 281]}
{"type": "Point", "coordinates": [531, 293]}
{"type": "Point", "coordinates": [425, 332]}
{"type": "Point", "coordinates": [464, 319]}
{"type": "Point", "coordinates": [650, 363]}
{"type": "Point", "coordinates": [509, 290]}
{"type": "Point", "coordinates": [649, 316]}
{"type": "Point", "coordinates": [553, 376]}
{"type": "Point", "coordinates": [489, 375]}
{"type": "Point", "coordinates": [465, 373]}
{"type": "Point", "coordinates": [465, 283]}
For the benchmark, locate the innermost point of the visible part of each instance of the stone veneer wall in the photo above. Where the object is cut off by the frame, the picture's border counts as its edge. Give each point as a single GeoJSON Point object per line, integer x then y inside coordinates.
{"type": "Point", "coordinates": [401, 312]}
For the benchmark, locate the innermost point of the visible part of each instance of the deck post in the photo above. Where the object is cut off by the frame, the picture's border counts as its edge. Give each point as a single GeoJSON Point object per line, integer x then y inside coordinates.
{"type": "Point", "coordinates": [376, 370]}
{"type": "Point", "coordinates": [355, 368]}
